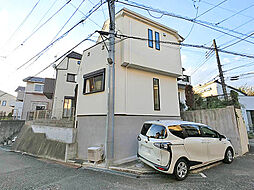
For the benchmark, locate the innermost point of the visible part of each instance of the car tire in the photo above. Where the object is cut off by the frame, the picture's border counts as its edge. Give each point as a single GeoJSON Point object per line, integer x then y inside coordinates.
{"type": "Point", "coordinates": [229, 156]}
{"type": "Point", "coordinates": [181, 169]}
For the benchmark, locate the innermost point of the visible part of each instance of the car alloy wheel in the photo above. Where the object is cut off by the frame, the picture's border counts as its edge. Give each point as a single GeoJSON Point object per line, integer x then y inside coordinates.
{"type": "Point", "coordinates": [181, 169]}
{"type": "Point", "coordinates": [229, 156]}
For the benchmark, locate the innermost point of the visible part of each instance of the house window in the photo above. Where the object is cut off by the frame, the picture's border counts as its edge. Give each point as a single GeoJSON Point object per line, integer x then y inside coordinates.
{"type": "Point", "coordinates": [157, 40]}
{"type": "Point", "coordinates": [40, 107]}
{"type": "Point", "coordinates": [38, 88]}
{"type": "Point", "coordinates": [4, 103]}
{"type": "Point", "coordinates": [71, 77]}
{"type": "Point", "coordinates": [68, 108]}
{"type": "Point", "coordinates": [150, 38]}
{"type": "Point", "coordinates": [94, 82]}
{"type": "Point", "coordinates": [156, 94]}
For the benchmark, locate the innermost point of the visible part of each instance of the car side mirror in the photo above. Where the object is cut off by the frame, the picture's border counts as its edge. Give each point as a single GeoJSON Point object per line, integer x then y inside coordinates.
{"type": "Point", "coordinates": [222, 137]}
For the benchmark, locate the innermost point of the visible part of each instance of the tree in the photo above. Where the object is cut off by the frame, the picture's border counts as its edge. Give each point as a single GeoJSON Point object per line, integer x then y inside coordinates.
{"type": "Point", "coordinates": [249, 90]}
{"type": "Point", "coordinates": [189, 94]}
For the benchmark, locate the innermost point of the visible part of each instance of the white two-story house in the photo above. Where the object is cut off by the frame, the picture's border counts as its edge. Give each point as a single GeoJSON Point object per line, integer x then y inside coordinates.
{"type": "Point", "coordinates": [66, 86]}
{"type": "Point", "coordinates": [145, 84]}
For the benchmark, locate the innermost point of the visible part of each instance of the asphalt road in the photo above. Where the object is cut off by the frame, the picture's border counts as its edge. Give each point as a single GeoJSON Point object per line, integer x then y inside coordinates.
{"type": "Point", "coordinates": [19, 171]}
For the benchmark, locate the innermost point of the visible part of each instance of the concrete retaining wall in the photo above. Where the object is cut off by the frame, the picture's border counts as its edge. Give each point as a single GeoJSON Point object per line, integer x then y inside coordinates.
{"type": "Point", "coordinates": [9, 129]}
{"type": "Point", "coordinates": [41, 141]}
{"type": "Point", "coordinates": [226, 121]}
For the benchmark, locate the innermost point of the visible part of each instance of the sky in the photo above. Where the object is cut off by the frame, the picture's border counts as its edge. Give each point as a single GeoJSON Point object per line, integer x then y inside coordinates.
{"type": "Point", "coordinates": [231, 14]}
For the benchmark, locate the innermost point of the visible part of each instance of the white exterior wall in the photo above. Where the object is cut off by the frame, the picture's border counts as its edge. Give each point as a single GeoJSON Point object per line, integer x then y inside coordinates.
{"type": "Point", "coordinates": [247, 104]}
{"type": "Point", "coordinates": [10, 100]}
{"type": "Point", "coordinates": [34, 98]}
{"type": "Point", "coordinates": [17, 112]}
{"type": "Point", "coordinates": [64, 88]}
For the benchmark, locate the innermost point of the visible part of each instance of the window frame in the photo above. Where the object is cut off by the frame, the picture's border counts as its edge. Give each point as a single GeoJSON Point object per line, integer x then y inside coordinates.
{"type": "Point", "coordinates": [92, 75]}
{"type": "Point", "coordinates": [71, 74]}
{"type": "Point", "coordinates": [150, 38]}
{"type": "Point", "coordinates": [42, 85]}
{"type": "Point", "coordinates": [157, 41]}
{"type": "Point", "coordinates": [72, 105]}
{"type": "Point", "coordinates": [4, 103]}
{"type": "Point", "coordinates": [154, 107]}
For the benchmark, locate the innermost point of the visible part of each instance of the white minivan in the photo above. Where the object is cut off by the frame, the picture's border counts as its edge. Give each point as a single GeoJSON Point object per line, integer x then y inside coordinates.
{"type": "Point", "coordinates": [173, 146]}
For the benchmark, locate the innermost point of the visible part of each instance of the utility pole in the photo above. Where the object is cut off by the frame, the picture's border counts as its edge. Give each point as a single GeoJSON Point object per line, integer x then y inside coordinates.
{"type": "Point", "coordinates": [220, 71]}
{"type": "Point", "coordinates": [109, 137]}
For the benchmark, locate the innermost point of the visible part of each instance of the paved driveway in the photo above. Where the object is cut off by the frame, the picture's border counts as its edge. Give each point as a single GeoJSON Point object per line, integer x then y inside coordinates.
{"type": "Point", "coordinates": [19, 171]}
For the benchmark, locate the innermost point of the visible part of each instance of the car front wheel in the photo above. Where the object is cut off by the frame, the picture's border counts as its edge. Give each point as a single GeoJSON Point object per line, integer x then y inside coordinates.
{"type": "Point", "coordinates": [229, 156]}
{"type": "Point", "coordinates": [181, 169]}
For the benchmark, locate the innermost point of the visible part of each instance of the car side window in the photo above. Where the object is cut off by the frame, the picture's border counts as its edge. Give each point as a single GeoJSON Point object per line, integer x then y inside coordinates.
{"type": "Point", "coordinates": [191, 130]}
{"type": "Point", "coordinates": [145, 128]}
{"type": "Point", "coordinates": [157, 132]}
{"type": "Point", "coordinates": [206, 132]}
{"type": "Point", "coordinates": [177, 131]}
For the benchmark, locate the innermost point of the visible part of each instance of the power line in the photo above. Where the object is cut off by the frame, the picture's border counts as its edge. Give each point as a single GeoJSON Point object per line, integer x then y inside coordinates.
{"type": "Point", "coordinates": [45, 14]}
{"type": "Point", "coordinates": [182, 44]}
{"type": "Point", "coordinates": [232, 11]}
{"type": "Point", "coordinates": [193, 22]}
{"type": "Point", "coordinates": [85, 15]}
{"type": "Point", "coordinates": [23, 22]}
{"type": "Point", "coordinates": [89, 36]}
{"type": "Point", "coordinates": [58, 32]}
{"type": "Point", "coordinates": [95, 8]}
{"type": "Point", "coordinates": [247, 22]}
{"type": "Point", "coordinates": [43, 24]}
{"type": "Point", "coordinates": [211, 8]}
{"type": "Point", "coordinates": [234, 14]}
{"type": "Point", "coordinates": [199, 22]}
{"type": "Point", "coordinates": [245, 65]}
{"type": "Point", "coordinates": [238, 41]}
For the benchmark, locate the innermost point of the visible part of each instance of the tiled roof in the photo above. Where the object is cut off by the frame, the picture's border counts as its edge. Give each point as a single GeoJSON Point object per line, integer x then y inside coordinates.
{"type": "Point", "coordinates": [20, 88]}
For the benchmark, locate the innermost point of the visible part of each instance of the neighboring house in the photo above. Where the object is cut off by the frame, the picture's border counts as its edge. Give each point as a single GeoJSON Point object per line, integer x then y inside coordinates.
{"type": "Point", "coordinates": [6, 103]}
{"type": "Point", "coordinates": [182, 82]}
{"type": "Point", "coordinates": [214, 88]}
{"type": "Point", "coordinates": [17, 112]}
{"type": "Point", "coordinates": [66, 82]}
{"type": "Point", "coordinates": [34, 99]}
{"type": "Point", "coordinates": [145, 85]}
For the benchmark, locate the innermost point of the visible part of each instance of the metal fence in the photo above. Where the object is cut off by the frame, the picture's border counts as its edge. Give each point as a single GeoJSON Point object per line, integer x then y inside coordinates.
{"type": "Point", "coordinates": [44, 114]}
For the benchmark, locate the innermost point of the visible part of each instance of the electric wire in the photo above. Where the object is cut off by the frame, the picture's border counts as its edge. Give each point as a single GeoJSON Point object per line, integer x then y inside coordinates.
{"type": "Point", "coordinates": [184, 45]}
{"type": "Point", "coordinates": [95, 8]}
{"type": "Point", "coordinates": [238, 41]}
{"type": "Point", "coordinates": [25, 19]}
{"type": "Point", "coordinates": [245, 65]}
{"type": "Point", "coordinates": [196, 16]}
{"type": "Point", "coordinates": [234, 15]}
{"type": "Point", "coordinates": [27, 38]}
{"type": "Point", "coordinates": [211, 8]}
{"type": "Point", "coordinates": [199, 22]}
{"type": "Point", "coordinates": [58, 32]}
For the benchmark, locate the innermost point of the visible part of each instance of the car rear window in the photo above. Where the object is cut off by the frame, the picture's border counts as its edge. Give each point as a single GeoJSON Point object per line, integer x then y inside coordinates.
{"type": "Point", "coordinates": [145, 128]}
{"type": "Point", "coordinates": [177, 131]}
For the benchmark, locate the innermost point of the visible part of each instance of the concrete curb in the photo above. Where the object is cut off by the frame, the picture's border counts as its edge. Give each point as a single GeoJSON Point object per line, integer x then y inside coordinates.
{"type": "Point", "coordinates": [138, 172]}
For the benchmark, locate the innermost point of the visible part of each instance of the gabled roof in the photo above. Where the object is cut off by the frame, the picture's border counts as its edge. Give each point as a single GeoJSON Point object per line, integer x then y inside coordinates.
{"type": "Point", "coordinates": [34, 79]}
{"type": "Point", "coordinates": [74, 55]}
{"type": "Point", "coordinates": [150, 21]}
{"type": "Point", "coordinates": [20, 88]}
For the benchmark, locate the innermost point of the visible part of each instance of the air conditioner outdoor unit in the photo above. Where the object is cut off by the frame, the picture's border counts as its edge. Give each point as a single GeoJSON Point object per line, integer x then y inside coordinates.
{"type": "Point", "coordinates": [95, 154]}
